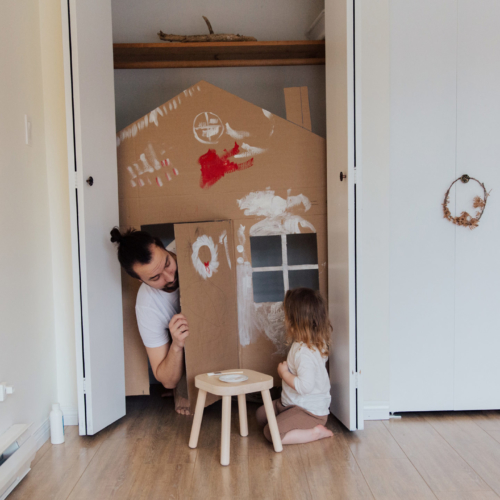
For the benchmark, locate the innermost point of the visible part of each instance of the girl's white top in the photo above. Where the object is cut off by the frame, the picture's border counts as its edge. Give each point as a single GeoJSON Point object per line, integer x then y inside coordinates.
{"type": "Point", "coordinates": [312, 384]}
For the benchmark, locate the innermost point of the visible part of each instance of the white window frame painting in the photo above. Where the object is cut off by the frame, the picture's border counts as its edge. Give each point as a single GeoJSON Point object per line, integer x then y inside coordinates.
{"type": "Point", "coordinates": [285, 267]}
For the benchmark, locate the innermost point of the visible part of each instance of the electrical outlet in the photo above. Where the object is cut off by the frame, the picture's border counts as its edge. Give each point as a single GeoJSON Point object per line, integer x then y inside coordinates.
{"type": "Point", "coordinates": [28, 137]}
{"type": "Point", "coordinates": [4, 390]}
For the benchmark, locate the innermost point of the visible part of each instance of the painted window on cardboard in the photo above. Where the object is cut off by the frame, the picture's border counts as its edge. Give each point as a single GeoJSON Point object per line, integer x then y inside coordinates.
{"type": "Point", "coordinates": [282, 262]}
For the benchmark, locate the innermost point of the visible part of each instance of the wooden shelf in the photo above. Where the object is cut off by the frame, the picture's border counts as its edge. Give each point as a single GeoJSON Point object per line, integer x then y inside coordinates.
{"type": "Point", "coordinates": [211, 55]}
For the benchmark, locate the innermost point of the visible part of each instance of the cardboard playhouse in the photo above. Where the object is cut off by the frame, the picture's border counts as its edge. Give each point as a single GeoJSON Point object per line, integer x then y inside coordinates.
{"type": "Point", "coordinates": [243, 193]}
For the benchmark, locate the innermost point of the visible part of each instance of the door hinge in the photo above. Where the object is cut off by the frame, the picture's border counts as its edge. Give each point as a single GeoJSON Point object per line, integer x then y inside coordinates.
{"type": "Point", "coordinates": [356, 376]}
{"type": "Point", "coordinates": [355, 175]}
{"type": "Point", "coordinates": [84, 385]}
{"type": "Point", "coordinates": [76, 179]}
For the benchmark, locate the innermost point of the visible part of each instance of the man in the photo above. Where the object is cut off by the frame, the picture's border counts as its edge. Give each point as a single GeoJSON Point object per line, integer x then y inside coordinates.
{"type": "Point", "coordinates": [163, 330]}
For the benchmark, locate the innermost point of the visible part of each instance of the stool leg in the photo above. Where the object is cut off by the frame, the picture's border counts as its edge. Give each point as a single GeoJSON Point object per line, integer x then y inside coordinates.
{"type": "Point", "coordinates": [226, 430]}
{"type": "Point", "coordinates": [198, 415]}
{"type": "Point", "coordinates": [242, 409]}
{"type": "Point", "coordinates": [271, 420]}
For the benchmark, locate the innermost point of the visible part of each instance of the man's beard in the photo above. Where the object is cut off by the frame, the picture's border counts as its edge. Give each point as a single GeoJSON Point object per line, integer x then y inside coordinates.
{"type": "Point", "coordinates": [172, 287]}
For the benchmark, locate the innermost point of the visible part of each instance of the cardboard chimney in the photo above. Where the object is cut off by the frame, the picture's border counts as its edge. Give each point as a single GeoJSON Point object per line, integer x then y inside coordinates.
{"type": "Point", "coordinates": [244, 191]}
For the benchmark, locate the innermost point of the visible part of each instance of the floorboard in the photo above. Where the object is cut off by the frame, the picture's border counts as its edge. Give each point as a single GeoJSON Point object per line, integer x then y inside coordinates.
{"type": "Point", "coordinates": [331, 469]}
{"type": "Point", "coordinates": [442, 468]}
{"type": "Point", "coordinates": [480, 450]}
{"type": "Point", "coordinates": [59, 469]}
{"type": "Point", "coordinates": [145, 456]}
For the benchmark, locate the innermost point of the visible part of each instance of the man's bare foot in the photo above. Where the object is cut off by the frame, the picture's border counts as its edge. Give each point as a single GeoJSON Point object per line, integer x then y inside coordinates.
{"type": "Point", "coordinates": [182, 406]}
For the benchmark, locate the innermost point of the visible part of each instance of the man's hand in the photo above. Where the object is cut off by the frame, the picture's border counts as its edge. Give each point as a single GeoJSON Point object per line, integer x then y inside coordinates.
{"type": "Point", "coordinates": [282, 368]}
{"type": "Point", "coordinates": [179, 330]}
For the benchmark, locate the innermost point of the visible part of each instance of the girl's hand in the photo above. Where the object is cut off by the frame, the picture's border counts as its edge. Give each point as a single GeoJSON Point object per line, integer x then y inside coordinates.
{"type": "Point", "coordinates": [282, 368]}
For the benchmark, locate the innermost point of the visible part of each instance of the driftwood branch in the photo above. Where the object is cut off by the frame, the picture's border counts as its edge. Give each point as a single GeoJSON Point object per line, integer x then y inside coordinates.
{"type": "Point", "coordinates": [205, 38]}
{"type": "Point", "coordinates": [212, 37]}
{"type": "Point", "coordinates": [210, 30]}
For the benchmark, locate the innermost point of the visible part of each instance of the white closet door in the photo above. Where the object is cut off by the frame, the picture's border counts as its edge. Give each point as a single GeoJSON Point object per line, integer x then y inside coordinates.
{"type": "Point", "coordinates": [477, 317]}
{"type": "Point", "coordinates": [423, 128]}
{"type": "Point", "coordinates": [92, 153]}
{"type": "Point", "coordinates": [345, 364]}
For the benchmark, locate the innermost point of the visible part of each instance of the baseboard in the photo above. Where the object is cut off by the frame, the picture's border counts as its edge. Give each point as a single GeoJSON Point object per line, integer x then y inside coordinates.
{"type": "Point", "coordinates": [42, 434]}
{"type": "Point", "coordinates": [70, 414]}
{"type": "Point", "coordinates": [376, 410]}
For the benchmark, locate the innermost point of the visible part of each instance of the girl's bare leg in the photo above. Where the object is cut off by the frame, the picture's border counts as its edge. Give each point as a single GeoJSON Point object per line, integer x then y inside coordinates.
{"type": "Point", "coordinates": [298, 436]}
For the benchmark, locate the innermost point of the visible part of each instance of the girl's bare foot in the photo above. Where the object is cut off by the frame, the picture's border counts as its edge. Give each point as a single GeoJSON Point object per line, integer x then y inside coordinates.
{"type": "Point", "coordinates": [321, 432]}
{"type": "Point", "coordinates": [298, 436]}
{"type": "Point", "coordinates": [182, 406]}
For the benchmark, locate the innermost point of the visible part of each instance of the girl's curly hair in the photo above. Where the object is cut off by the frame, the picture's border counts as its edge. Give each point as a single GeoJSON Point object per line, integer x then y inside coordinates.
{"type": "Point", "coordinates": [306, 319]}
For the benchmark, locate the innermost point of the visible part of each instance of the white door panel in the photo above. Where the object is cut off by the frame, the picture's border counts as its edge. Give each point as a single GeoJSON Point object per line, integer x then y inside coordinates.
{"type": "Point", "coordinates": [423, 142]}
{"type": "Point", "coordinates": [344, 361]}
{"type": "Point", "coordinates": [92, 146]}
{"type": "Point", "coordinates": [477, 317]}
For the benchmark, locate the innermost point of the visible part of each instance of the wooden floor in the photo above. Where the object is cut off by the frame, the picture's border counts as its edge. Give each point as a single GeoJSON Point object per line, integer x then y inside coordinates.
{"type": "Point", "coordinates": [449, 456]}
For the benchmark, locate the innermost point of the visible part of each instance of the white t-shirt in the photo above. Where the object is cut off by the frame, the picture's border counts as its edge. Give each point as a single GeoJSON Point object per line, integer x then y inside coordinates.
{"type": "Point", "coordinates": [312, 384]}
{"type": "Point", "coordinates": [154, 310]}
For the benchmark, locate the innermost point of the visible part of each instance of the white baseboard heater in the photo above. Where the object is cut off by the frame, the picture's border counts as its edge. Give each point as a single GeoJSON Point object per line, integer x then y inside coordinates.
{"type": "Point", "coordinates": [17, 450]}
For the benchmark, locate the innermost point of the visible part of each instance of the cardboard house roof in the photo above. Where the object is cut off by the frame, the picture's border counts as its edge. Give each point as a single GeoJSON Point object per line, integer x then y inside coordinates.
{"type": "Point", "coordinates": [208, 155]}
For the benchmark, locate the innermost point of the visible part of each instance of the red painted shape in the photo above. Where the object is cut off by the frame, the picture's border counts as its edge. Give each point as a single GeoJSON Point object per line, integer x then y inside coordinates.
{"type": "Point", "coordinates": [206, 264]}
{"type": "Point", "coordinates": [215, 167]}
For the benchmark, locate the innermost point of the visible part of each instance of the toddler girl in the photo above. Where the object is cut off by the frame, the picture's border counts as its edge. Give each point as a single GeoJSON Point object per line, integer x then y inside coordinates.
{"type": "Point", "coordinates": [304, 406]}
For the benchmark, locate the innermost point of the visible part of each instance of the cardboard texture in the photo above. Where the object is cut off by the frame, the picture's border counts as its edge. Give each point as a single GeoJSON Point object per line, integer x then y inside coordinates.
{"type": "Point", "coordinates": [208, 300]}
{"type": "Point", "coordinates": [207, 155]}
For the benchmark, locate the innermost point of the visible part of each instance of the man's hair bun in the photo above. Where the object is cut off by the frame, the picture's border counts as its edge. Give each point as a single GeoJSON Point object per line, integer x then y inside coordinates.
{"type": "Point", "coordinates": [134, 246]}
{"type": "Point", "coordinates": [116, 236]}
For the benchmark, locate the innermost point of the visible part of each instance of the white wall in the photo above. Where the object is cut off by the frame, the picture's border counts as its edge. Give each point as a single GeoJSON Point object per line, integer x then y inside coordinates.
{"type": "Point", "coordinates": [57, 177]}
{"type": "Point", "coordinates": [27, 355]}
{"type": "Point", "coordinates": [31, 214]}
{"type": "Point", "coordinates": [139, 22]}
{"type": "Point", "coordinates": [139, 91]}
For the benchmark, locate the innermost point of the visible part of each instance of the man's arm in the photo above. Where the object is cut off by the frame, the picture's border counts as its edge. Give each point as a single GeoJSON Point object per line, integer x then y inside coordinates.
{"type": "Point", "coordinates": [167, 361]}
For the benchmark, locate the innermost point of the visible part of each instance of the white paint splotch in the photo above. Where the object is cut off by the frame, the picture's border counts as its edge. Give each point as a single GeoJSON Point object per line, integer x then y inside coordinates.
{"type": "Point", "coordinates": [223, 240]}
{"type": "Point", "coordinates": [153, 116]}
{"type": "Point", "coordinates": [152, 157]}
{"type": "Point", "coordinates": [205, 269]}
{"type": "Point", "coordinates": [256, 318]}
{"type": "Point", "coordinates": [270, 318]}
{"type": "Point", "coordinates": [276, 212]}
{"type": "Point", "coordinates": [248, 151]}
{"type": "Point", "coordinates": [207, 128]}
{"type": "Point", "coordinates": [150, 118]}
{"type": "Point", "coordinates": [145, 164]}
{"type": "Point", "coordinates": [278, 218]}
{"type": "Point", "coordinates": [244, 291]}
{"type": "Point", "coordinates": [236, 134]}
{"type": "Point", "coordinates": [270, 117]}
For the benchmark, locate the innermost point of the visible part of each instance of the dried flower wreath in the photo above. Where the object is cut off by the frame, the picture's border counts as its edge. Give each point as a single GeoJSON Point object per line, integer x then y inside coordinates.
{"type": "Point", "coordinates": [465, 219]}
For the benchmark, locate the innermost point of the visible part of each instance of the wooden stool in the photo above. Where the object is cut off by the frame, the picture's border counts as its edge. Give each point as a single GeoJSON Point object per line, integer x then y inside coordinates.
{"type": "Point", "coordinates": [256, 382]}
